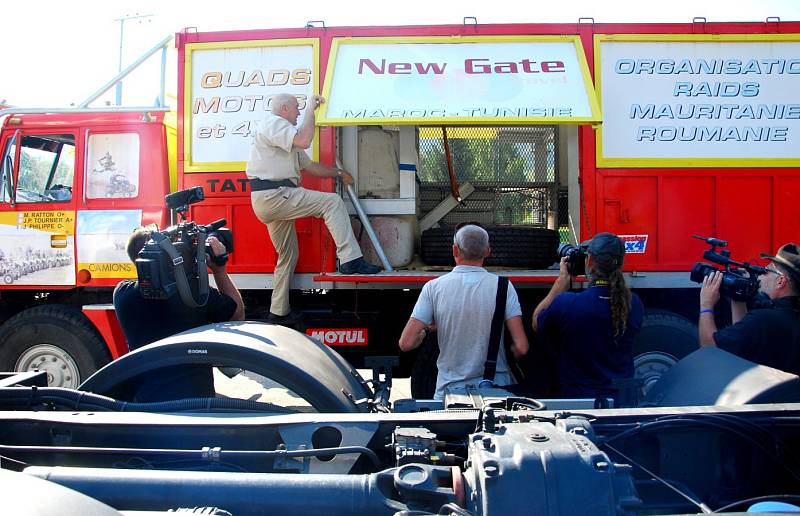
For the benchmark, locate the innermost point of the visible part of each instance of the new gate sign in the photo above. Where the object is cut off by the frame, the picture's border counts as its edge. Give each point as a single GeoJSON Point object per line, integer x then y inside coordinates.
{"type": "Point", "coordinates": [491, 79]}
{"type": "Point", "coordinates": [698, 100]}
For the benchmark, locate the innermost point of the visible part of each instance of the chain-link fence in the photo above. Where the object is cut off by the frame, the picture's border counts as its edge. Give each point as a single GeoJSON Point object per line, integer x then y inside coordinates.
{"type": "Point", "coordinates": [513, 169]}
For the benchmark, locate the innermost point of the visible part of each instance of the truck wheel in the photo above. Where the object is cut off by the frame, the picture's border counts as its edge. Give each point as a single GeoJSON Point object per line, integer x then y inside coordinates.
{"type": "Point", "coordinates": [512, 246]}
{"type": "Point", "coordinates": [665, 338]}
{"type": "Point", "coordinates": [424, 370]}
{"type": "Point", "coordinates": [56, 339]}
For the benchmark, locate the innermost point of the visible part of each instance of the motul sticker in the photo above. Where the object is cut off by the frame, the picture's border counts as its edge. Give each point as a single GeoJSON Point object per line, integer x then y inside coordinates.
{"type": "Point", "coordinates": [339, 336]}
{"type": "Point", "coordinates": [634, 244]}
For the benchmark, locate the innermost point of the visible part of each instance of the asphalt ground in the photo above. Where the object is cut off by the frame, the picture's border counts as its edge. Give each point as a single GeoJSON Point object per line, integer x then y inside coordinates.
{"type": "Point", "coordinates": [250, 386]}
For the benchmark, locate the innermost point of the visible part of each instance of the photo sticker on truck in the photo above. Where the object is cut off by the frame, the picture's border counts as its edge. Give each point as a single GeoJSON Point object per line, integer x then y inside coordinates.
{"type": "Point", "coordinates": [37, 247]}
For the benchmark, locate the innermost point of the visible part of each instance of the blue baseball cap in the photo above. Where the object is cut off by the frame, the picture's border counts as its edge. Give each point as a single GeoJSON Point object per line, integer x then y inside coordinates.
{"type": "Point", "coordinates": [606, 248]}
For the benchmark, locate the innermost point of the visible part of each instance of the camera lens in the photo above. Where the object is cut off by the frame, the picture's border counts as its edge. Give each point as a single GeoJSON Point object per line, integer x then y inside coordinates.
{"type": "Point", "coordinates": [565, 249]}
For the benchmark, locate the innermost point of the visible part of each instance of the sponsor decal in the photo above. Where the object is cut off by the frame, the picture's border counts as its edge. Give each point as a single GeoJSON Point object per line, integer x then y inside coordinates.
{"type": "Point", "coordinates": [339, 336]}
{"type": "Point", "coordinates": [634, 244]}
{"type": "Point", "coordinates": [197, 351]}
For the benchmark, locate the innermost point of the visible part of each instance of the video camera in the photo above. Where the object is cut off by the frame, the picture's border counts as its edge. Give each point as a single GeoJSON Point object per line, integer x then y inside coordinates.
{"type": "Point", "coordinates": [576, 258]}
{"type": "Point", "coordinates": [174, 260]}
{"type": "Point", "coordinates": [736, 285]}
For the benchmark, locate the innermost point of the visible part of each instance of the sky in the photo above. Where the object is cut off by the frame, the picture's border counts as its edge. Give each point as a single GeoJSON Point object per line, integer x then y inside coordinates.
{"type": "Point", "coordinates": [57, 53]}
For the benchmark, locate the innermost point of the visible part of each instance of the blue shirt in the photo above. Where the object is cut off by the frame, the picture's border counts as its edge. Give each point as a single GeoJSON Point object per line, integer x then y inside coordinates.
{"type": "Point", "coordinates": [578, 326]}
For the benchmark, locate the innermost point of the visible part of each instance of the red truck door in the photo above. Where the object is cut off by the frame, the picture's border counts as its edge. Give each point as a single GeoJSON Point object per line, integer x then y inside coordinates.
{"type": "Point", "coordinates": [37, 212]}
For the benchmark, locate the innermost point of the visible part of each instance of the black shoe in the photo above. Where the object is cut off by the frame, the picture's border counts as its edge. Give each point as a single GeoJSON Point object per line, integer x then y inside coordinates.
{"type": "Point", "coordinates": [359, 266]}
{"type": "Point", "coordinates": [285, 320]}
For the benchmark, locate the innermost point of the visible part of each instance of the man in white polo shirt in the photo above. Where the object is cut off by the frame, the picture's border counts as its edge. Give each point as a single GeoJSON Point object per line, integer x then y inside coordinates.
{"type": "Point", "coordinates": [461, 304]}
{"type": "Point", "coordinates": [276, 159]}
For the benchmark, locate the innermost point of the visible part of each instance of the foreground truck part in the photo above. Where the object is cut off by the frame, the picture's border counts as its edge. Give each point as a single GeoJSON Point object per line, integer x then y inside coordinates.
{"type": "Point", "coordinates": [480, 451]}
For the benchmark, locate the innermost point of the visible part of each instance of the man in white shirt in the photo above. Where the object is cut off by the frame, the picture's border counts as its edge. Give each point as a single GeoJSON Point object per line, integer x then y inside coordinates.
{"type": "Point", "coordinates": [461, 304]}
{"type": "Point", "coordinates": [273, 168]}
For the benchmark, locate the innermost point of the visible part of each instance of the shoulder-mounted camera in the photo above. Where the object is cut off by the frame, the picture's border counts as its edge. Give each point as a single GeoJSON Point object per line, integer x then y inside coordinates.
{"type": "Point", "coordinates": [174, 260]}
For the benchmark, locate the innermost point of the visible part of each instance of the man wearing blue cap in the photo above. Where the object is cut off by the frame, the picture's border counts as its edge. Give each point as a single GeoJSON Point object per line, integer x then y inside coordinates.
{"type": "Point", "coordinates": [592, 331]}
{"type": "Point", "coordinates": [767, 336]}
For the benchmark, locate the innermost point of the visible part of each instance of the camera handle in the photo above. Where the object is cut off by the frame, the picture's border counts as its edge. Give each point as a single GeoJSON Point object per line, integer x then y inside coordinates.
{"type": "Point", "coordinates": [180, 275]}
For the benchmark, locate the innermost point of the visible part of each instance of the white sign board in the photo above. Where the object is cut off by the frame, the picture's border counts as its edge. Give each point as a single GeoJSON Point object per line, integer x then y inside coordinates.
{"type": "Point", "coordinates": [715, 102]}
{"type": "Point", "coordinates": [229, 87]}
{"type": "Point", "coordinates": [464, 80]}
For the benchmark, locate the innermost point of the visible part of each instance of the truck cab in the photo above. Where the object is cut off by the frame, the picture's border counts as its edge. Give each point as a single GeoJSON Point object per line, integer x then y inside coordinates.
{"type": "Point", "coordinates": [73, 185]}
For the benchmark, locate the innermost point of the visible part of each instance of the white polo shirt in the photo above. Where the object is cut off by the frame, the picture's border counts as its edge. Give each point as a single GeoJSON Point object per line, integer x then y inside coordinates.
{"type": "Point", "coordinates": [461, 303]}
{"type": "Point", "coordinates": [273, 156]}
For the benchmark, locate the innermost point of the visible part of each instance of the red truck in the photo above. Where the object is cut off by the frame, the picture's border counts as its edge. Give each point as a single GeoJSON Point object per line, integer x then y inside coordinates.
{"type": "Point", "coordinates": [541, 132]}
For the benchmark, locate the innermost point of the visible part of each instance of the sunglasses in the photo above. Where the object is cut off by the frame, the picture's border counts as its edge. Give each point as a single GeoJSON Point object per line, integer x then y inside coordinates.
{"type": "Point", "coordinates": [774, 271]}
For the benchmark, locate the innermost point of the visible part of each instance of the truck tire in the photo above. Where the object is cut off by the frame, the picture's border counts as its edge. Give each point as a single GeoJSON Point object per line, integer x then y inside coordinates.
{"type": "Point", "coordinates": [512, 246]}
{"type": "Point", "coordinates": [424, 370]}
{"type": "Point", "coordinates": [56, 339]}
{"type": "Point", "coordinates": [665, 338]}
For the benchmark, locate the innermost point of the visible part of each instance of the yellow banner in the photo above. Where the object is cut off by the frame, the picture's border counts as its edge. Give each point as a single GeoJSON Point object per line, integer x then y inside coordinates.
{"type": "Point", "coordinates": [61, 222]}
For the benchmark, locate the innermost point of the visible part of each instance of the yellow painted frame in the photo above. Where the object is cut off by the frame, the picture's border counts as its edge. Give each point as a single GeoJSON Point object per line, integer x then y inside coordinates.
{"type": "Point", "coordinates": [603, 162]}
{"type": "Point", "coordinates": [594, 106]}
{"type": "Point", "coordinates": [235, 166]}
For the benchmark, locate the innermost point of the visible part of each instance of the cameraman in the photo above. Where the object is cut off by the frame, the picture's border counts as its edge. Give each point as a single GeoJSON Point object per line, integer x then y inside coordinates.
{"type": "Point", "coordinates": [592, 332]}
{"type": "Point", "coordinates": [770, 336]}
{"type": "Point", "coordinates": [145, 321]}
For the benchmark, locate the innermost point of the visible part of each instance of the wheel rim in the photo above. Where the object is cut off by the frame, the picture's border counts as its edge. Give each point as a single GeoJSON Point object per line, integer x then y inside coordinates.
{"type": "Point", "coordinates": [61, 369]}
{"type": "Point", "coordinates": [651, 366]}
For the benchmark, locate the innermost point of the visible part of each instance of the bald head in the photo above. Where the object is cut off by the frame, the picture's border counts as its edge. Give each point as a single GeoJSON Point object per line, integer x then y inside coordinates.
{"type": "Point", "coordinates": [472, 242]}
{"type": "Point", "coordinates": [280, 101]}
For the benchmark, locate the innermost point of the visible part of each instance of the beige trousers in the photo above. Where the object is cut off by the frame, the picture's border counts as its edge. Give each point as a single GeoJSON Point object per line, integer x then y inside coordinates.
{"type": "Point", "coordinates": [277, 209]}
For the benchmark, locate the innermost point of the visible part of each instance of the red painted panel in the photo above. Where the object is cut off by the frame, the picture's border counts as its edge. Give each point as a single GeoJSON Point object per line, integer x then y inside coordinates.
{"type": "Point", "coordinates": [105, 321]}
{"type": "Point", "coordinates": [687, 208]}
{"type": "Point", "coordinates": [744, 215]}
{"type": "Point", "coordinates": [787, 208]}
{"type": "Point", "coordinates": [629, 206]}
{"type": "Point", "coordinates": [253, 250]}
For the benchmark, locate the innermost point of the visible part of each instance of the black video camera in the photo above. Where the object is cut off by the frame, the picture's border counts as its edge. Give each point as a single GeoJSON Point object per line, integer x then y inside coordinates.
{"type": "Point", "coordinates": [736, 283]}
{"type": "Point", "coordinates": [576, 258]}
{"type": "Point", "coordinates": [174, 260]}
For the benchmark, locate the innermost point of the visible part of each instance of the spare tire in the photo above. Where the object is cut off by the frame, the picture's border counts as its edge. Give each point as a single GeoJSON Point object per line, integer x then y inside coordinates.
{"type": "Point", "coordinates": [512, 246]}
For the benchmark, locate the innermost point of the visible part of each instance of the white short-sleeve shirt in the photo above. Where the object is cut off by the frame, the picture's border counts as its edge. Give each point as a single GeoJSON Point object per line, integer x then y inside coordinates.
{"type": "Point", "coordinates": [273, 155]}
{"type": "Point", "coordinates": [461, 303]}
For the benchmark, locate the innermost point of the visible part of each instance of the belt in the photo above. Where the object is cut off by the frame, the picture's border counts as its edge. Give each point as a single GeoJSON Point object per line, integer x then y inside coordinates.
{"type": "Point", "coordinates": [258, 185]}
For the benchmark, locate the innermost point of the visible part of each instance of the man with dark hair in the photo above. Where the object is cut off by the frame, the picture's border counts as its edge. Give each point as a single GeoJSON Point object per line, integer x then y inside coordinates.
{"type": "Point", "coordinates": [461, 305]}
{"type": "Point", "coordinates": [592, 332]}
{"type": "Point", "coordinates": [767, 336]}
{"type": "Point", "coordinates": [273, 168]}
{"type": "Point", "coordinates": [145, 321]}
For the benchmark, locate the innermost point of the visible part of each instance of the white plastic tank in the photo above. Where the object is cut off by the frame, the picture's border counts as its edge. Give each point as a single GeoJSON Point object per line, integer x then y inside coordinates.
{"type": "Point", "coordinates": [396, 235]}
